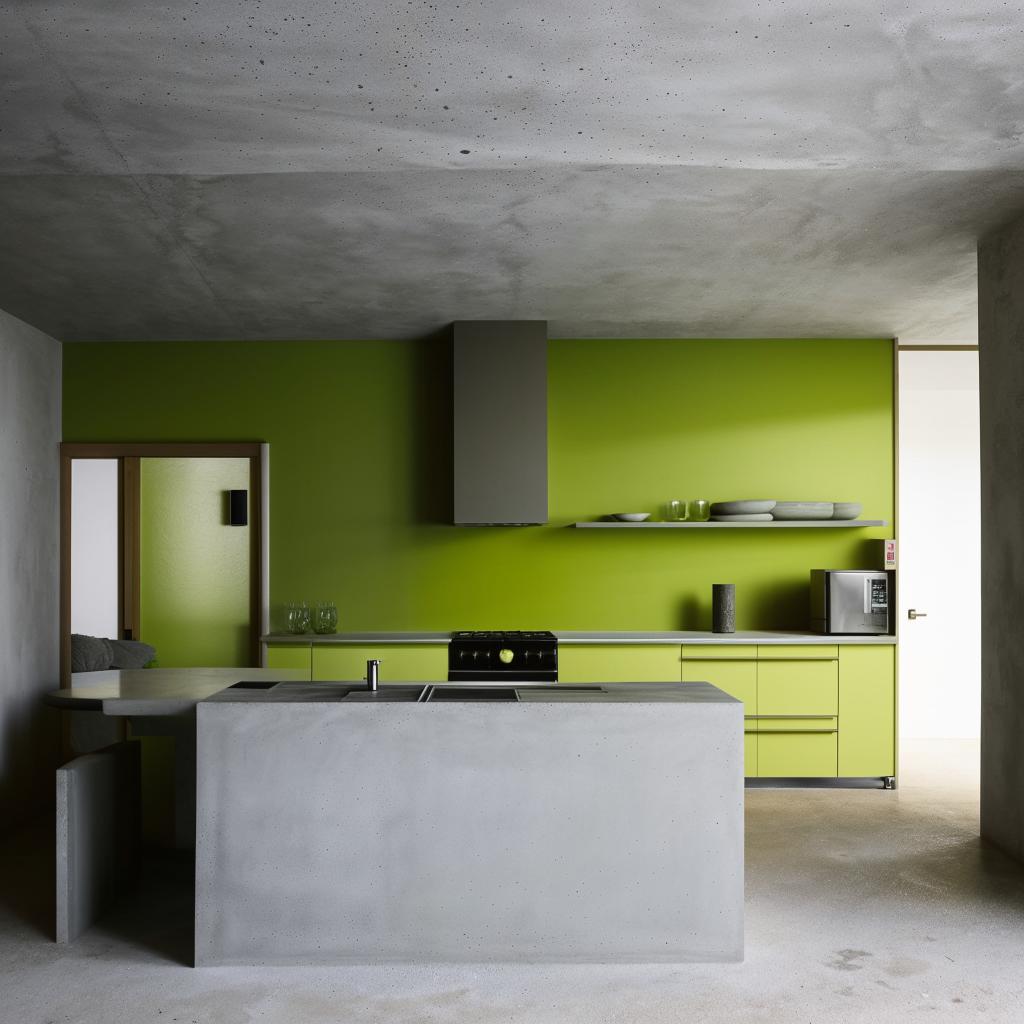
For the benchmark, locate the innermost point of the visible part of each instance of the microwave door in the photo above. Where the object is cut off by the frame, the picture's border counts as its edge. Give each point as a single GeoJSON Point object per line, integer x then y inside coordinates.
{"type": "Point", "coordinates": [849, 602]}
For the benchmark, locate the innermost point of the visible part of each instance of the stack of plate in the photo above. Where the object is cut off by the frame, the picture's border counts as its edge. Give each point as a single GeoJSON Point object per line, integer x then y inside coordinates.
{"type": "Point", "coordinates": [749, 510]}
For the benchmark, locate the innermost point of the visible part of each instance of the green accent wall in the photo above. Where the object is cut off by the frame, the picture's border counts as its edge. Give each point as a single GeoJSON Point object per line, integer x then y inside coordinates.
{"type": "Point", "coordinates": [193, 567]}
{"type": "Point", "coordinates": [360, 436]}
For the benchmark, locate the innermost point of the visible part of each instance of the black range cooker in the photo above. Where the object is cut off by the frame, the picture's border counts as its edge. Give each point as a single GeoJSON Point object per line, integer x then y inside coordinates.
{"type": "Point", "coordinates": [524, 656]}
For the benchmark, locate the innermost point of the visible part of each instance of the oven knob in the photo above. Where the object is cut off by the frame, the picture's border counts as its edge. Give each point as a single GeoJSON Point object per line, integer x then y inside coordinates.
{"type": "Point", "coordinates": [506, 656]}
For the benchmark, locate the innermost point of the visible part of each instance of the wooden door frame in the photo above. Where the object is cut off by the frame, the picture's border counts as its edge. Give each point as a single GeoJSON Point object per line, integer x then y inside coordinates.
{"type": "Point", "coordinates": [258, 454]}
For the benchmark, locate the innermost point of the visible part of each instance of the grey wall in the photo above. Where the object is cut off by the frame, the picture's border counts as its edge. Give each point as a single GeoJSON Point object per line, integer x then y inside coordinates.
{"type": "Point", "coordinates": [1001, 390]}
{"type": "Point", "coordinates": [30, 367]}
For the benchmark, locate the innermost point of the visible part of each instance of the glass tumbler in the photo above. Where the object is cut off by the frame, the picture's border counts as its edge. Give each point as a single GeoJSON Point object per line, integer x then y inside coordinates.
{"type": "Point", "coordinates": [325, 617]}
{"type": "Point", "coordinates": [298, 617]}
{"type": "Point", "coordinates": [675, 511]}
{"type": "Point", "coordinates": [700, 510]}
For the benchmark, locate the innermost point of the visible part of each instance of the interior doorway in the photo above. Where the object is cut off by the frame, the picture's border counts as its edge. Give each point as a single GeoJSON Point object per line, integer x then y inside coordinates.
{"type": "Point", "coordinates": [154, 549]}
{"type": "Point", "coordinates": [939, 603]}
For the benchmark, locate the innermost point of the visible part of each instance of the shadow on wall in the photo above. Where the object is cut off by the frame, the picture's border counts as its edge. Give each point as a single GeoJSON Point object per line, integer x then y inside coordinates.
{"type": "Point", "coordinates": [778, 606]}
{"type": "Point", "coordinates": [433, 486]}
{"type": "Point", "coordinates": [29, 740]}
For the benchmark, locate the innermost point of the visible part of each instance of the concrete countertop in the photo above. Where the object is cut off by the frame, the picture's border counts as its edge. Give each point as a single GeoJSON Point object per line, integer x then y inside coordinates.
{"type": "Point", "coordinates": [592, 637]}
{"type": "Point", "coordinates": [357, 638]}
{"type": "Point", "coordinates": [553, 693]}
{"type": "Point", "coordinates": [154, 691]}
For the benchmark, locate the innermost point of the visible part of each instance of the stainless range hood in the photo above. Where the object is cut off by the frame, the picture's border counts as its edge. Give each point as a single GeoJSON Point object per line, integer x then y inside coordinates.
{"type": "Point", "coordinates": [501, 422]}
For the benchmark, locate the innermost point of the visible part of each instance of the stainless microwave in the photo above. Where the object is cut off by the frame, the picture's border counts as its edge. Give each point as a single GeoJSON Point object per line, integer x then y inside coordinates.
{"type": "Point", "coordinates": [850, 601]}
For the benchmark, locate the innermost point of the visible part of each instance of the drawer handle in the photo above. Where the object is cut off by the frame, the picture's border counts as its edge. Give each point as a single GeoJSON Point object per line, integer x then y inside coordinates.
{"type": "Point", "coordinates": [796, 732]}
{"type": "Point", "coordinates": [718, 659]}
{"type": "Point", "coordinates": [795, 661]}
{"type": "Point", "coordinates": [789, 718]}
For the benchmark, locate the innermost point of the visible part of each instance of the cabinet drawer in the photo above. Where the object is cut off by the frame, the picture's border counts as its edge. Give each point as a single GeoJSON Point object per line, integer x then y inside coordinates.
{"type": "Point", "coordinates": [716, 652]}
{"type": "Point", "coordinates": [292, 656]}
{"type": "Point", "coordinates": [401, 663]}
{"type": "Point", "coordinates": [618, 663]}
{"type": "Point", "coordinates": [797, 688]}
{"type": "Point", "coordinates": [737, 678]}
{"type": "Point", "coordinates": [798, 652]}
{"type": "Point", "coordinates": [797, 754]}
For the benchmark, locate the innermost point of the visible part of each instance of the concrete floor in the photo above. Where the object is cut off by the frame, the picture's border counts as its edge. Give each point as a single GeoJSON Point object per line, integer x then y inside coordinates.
{"type": "Point", "coordinates": [862, 905]}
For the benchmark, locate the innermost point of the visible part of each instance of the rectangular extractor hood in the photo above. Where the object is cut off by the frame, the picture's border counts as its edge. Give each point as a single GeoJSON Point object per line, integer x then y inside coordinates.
{"type": "Point", "coordinates": [501, 422]}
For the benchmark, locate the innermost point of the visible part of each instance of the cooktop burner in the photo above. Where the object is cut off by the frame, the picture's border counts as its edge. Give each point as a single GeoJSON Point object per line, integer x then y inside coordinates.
{"type": "Point", "coordinates": [503, 634]}
{"type": "Point", "coordinates": [492, 654]}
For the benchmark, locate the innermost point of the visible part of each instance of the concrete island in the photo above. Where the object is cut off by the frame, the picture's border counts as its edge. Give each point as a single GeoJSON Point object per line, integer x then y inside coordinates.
{"type": "Point", "coordinates": [598, 822]}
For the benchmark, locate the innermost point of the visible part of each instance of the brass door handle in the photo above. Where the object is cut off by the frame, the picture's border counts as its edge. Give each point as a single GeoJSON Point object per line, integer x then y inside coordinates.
{"type": "Point", "coordinates": [913, 613]}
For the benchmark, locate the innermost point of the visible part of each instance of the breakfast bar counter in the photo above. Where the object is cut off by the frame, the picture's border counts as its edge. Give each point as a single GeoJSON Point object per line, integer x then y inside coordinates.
{"type": "Point", "coordinates": [593, 823]}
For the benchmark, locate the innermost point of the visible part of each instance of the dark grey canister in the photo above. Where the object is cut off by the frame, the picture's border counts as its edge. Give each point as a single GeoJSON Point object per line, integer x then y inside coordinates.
{"type": "Point", "coordinates": [723, 607]}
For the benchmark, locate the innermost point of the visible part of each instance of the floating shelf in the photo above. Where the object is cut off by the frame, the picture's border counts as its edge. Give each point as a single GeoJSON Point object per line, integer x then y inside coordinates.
{"type": "Point", "coordinates": [781, 524]}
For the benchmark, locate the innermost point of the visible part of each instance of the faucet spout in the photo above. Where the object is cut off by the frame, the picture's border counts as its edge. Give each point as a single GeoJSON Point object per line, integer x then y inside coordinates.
{"type": "Point", "coordinates": [372, 674]}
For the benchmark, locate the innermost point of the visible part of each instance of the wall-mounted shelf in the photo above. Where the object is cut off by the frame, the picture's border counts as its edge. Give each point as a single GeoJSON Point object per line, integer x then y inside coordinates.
{"type": "Point", "coordinates": [817, 524]}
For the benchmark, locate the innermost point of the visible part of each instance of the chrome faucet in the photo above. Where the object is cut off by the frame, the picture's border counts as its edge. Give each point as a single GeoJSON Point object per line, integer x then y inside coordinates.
{"type": "Point", "coordinates": [372, 673]}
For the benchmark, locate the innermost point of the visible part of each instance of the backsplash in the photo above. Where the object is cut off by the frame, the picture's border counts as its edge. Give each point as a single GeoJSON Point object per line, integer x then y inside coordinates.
{"type": "Point", "coordinates": [360, 436]}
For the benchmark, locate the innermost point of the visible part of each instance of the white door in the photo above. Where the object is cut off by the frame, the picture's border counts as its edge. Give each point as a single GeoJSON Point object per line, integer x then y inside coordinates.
{"type": "Point", "coordinates": [939, 575]}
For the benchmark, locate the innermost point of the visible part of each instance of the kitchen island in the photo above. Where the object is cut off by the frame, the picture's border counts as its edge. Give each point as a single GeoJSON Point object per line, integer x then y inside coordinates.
{"type": "Point", "coordinates": [593, 823]}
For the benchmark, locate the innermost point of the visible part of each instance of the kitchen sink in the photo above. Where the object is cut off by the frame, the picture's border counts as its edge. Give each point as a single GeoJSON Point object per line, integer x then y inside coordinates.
{"type": "Point", "coordinates": [387, 694]}
{"type": "Point", "coordinates": [507, 693]}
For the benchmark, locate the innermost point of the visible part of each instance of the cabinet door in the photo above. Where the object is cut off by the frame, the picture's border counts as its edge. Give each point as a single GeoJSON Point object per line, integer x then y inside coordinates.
{"type": "Point", "coordinates": [738, 677]}
{"type": "Point", "coordinates": [797, 723]}
{"type": "Point", "coordinates": [867, 707]}
{"type": "Point", "coordinates": [293, 656]}
{"type": "Point", "coordinates": [401, 663]}
{"type": "Point", "coordinates": [618, 663]}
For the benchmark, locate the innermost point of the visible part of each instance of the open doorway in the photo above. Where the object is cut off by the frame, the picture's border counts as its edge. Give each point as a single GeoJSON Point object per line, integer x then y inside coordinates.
{"type": "Point", "coordinates": [940, 558]}
{"type": "Point", "coordinates": [152, 549]}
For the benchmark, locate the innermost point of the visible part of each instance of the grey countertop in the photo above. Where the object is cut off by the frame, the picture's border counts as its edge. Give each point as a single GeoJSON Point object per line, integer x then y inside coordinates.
{"type": "Point", "coordinates": [154, 691]}
{"type": "Point", "coordinates": [553, 693]}
{"type": "Point", "coordinates": [592, 637]}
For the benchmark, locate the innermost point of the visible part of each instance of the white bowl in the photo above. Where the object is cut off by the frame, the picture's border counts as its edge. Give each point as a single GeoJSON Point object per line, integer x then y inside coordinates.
{"type": "Point", "coordinates": [847, 510]}
{"type": "Point", "coordinates": [802, 511]}
{"type": "Point", "coordinates": [631, 517]}
{"type": "Point", "coordinates": [746, 507]}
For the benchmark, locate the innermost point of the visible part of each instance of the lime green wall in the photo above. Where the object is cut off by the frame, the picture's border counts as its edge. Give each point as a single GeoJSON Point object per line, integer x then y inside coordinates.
{"type": "Point", "coordinates": [194, 569]}
{"type": "Point", "coordinates": [361, 479]}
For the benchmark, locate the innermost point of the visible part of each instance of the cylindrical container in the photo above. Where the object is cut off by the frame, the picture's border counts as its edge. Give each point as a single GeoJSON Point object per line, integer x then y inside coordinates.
{"type": "Point", "coordinates": [700, 510]}
{"type": "Point", "coordinates": [723, 607]}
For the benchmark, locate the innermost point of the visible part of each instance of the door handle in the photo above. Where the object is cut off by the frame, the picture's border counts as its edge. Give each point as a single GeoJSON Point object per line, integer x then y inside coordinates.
{"type": "Point", "coordinates": [913, 613]}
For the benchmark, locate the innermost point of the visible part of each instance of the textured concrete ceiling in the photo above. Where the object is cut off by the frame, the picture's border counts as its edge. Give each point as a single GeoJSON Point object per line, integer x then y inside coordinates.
{"type": "Point", "coordinates": [288, 169]}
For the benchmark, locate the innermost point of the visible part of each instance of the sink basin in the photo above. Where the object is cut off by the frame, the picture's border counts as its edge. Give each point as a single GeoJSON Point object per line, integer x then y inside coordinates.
{"type": "Point", "coordinates": [408, 694]}
{"type": "Point", "coordinates": [507, 693]}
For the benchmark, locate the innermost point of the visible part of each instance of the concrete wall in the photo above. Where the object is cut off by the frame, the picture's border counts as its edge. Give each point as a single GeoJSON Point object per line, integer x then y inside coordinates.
{"type": "Point", "coordinates": [30, 413]}
{"type": "Point", "coordinates": [1001, 390]}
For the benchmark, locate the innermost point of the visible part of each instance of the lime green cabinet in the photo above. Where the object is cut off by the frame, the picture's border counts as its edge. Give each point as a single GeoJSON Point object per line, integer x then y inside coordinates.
{"type": "Point", "coordinates": [734, 670]}
{"type": "Point", "coordinates": [618, 663]}
{"type": "Point", "coordinates": [811, 710]}
{"type": "Point", "coordinates": [798, 713]}
{"type": "Point", "coordinates": [291, 656]}
{"type": "Point", "coordinates": [399, 663]}
{"type": "Point", "coordinates": [867, 709]}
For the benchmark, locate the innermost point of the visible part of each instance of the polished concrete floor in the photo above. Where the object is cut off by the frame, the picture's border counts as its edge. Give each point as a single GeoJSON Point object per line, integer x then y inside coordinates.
{"type": "Point", "coordinates": [862, 905]}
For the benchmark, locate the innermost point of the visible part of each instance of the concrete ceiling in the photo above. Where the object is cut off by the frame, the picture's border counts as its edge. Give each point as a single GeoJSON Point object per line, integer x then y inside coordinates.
{"type": "Point", "coordinates": [374, 169]}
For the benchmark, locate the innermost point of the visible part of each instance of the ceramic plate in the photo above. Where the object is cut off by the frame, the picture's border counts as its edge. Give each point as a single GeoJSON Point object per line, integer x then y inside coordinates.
{"type": "Point", "coordinates": [750, 517]}
{"type": "Point", "coordinates": [747, 507]}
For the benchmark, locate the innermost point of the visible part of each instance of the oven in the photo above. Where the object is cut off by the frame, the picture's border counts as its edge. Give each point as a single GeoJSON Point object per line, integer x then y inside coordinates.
{"type": "Point", "coordinates": [503, 656]}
